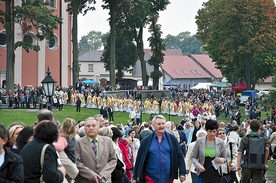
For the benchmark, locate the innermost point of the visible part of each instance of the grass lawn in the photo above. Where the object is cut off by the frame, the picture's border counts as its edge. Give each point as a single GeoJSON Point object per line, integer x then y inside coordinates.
{"type": "Point", "coordinates": [28, 116]}
{"type": "Point", "coordinates": [271, 173]}
{"type": "Point", "coordinates": [8, 116]}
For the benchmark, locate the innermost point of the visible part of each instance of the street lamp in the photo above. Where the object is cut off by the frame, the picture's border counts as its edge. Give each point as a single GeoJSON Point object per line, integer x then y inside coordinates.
{"type": "Point", "coordinates": [141, 108]}
{"type": "Point", "coordinates": [49, 85]}
{"type": "Point", "coordinates": [169, 105]}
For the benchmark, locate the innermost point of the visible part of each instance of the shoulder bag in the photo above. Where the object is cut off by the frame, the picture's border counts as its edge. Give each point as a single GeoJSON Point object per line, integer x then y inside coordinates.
{"type": "Point", "coordinates": [231, 176]}
{"type": "Point", "coordinates": [42, 162]}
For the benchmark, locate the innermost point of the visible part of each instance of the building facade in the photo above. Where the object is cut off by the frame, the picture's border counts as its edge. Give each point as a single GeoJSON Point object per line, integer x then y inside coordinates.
{"type": "Point", "coordinates": [30, 67]}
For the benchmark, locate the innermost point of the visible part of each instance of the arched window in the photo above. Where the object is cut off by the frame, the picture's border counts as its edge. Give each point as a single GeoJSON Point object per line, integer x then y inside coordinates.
{"type": "Point", "coordinates": [2, 38]}
{"type": "Point", "coordinates": [52, 43]}
{"type": "Point", "coordinates": [29, 38]}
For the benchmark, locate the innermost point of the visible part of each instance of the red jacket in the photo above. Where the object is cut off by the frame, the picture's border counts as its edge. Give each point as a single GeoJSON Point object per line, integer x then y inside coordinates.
{"type": "Point", "coordinates": [124, 148]}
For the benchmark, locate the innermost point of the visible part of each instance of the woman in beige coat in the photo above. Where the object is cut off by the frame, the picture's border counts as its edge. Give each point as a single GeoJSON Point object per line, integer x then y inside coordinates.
{"type": "Point", "coordinates": [231, 150]}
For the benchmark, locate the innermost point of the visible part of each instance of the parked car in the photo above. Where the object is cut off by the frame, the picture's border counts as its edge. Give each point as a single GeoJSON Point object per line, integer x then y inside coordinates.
{"type": "Point", "coordinates": [243, 99]}
{"type": "Point", "coordinates": [264, 91]}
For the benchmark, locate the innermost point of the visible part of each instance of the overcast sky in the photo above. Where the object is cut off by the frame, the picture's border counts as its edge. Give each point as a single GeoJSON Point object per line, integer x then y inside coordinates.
{"type": "Point", "coordinates": [178, 17]}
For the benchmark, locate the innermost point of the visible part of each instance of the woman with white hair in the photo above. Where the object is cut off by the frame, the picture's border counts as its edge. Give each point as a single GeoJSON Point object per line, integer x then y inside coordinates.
{"type": "Point", "coordinates": [189, 165]}
{"type": "Point", "coordinates": [231, 150]}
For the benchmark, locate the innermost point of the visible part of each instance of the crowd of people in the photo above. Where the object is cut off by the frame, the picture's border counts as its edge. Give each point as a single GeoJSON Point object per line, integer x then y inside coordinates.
{"type": "Point", "coordinates": [193, 104]}
{"type": "Point", "coordinates": [155, 150]}
{"type": "Point", "coordinates": [95, 150]}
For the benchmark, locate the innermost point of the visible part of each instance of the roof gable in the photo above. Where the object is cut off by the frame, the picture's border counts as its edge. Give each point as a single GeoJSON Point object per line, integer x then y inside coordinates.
{"type": "Point", "coordinates": [92, 55]}
{"type": "Point", "coordinates": [183, 67]}
{"type": "Point", "coordinates": [206, 62]}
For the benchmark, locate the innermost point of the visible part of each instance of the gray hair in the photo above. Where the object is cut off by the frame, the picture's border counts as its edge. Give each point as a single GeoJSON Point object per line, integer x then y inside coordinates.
{"type": "Point", "coordinates": [45, 114]}
{"type": "Point", "coordinates": [199, 132]}
{"type": "Point", "coordinates": [157, 117]}
{"type": "Point", "coordinates": [96, 117]}
{"type": "Point", "coordinates": [222, 129]}
{"type": "Point", "coordinates": [106, 131]}
{"type": "Point", "coordinates": [188, 123]}
{"type": "Point", "coordinates": [81, 132]}
{"type": "Point", "coordinates": [91, 118]}
{"type": "Point", "coordinates": [168, 124]}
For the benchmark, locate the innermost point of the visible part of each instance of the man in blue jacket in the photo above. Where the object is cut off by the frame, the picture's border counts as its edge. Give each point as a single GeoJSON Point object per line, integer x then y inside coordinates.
{"type": "Point", "coordinates": [159, 158]}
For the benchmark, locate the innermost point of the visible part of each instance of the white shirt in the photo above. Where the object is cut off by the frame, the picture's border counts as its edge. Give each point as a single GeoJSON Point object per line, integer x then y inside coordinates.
{"type": "Point", "coordinates": [132, 114]}
{"type": "Point", "coordinates": [2, 158]}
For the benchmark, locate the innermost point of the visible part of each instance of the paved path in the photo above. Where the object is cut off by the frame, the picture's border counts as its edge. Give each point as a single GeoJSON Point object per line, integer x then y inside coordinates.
{"type": "Point", "coordinates": [188, 179]}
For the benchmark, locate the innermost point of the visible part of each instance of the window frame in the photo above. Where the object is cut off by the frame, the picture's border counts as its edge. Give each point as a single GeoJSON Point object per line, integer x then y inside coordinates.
{"type": "Point", "coordinates": [90, 70]}
{"type": "Point", "coordinates": [54, 3]}
{"type": "Point", "coordinates": [32, 35]}
{"type": "Point", "coordinates": [56, 46]}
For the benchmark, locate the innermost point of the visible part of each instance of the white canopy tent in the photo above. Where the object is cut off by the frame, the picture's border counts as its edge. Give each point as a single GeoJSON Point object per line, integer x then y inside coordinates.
{"type": "Point", "coordinates": [202, 86]}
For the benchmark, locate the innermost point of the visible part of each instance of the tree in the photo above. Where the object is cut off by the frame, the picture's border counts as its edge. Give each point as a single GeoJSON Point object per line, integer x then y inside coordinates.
{"type": "Point", "coordinates": [157, 46]}
{"type": "Point", "coordinates": [113, 6]}
{"type": "Point", "coordinates": [32, 15]}
{"type": "Point", "coordinates": [240, 38]}
{"type": "Point", "coordinates": [91, 41]}
{"type": "Point", "coordinates": [135, 15]}
{"type": "Point", "coordinates": [188, 43]}
{"type": "Point", "coordinates": [76, 7]}
{"type": "Point", "coordinates": [126, 55]}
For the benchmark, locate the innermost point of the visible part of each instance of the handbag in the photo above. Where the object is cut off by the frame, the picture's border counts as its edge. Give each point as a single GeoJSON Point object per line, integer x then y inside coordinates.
{"type": "Point", "coordinates": [231, 176]}
{"type": "Point", "coordinates": [226, 179]}
{"type": "Point", "coordinates": [42, 162]}
{"type": "Point", "coordinates": [118, 172]}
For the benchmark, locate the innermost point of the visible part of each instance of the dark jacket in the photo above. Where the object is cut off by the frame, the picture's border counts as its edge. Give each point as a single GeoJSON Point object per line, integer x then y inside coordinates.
{"type": "Point", "coordinates": [109, 110]}
{"type": "Point", "coordinates": [177, 158]}
{"type": "Point", "coordinates": [105, 114]}
{"type": "Point", "coordinates": [31, 153]}
{"type": "Point", "coordinates": [78, 103]}
{"type": "Point", "coordinates": [12, 169]}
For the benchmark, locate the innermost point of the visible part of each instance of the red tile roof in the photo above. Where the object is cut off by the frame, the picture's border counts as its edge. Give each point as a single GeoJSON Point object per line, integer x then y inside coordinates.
{"type": "Point", "coordinates": [268, 80]}
{"type": "Point", "coordinates": [183, 67]}
{"type": "Point", "coordinates": [207, 63]}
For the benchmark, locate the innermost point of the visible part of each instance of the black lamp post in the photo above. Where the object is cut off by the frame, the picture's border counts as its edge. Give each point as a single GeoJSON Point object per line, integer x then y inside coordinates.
{"type": "Point", "coordinates": [141, 108]}
{"type": "Point", "coordinates": [169, 105]}
{"type": "Point", "coordinates": [49, 85]}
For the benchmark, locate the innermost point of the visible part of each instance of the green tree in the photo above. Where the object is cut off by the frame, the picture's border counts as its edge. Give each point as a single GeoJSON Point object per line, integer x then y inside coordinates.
{"type": "Point", "coordinates": [157, 46]}
{"type": "Point", "coordinates": [113, 6]}
{"type": "Point", "coordinates": [240, 38]}
{"type": "Point", "coordinates": [135, 15]}
{"type": "Point", "coordinates": [188, 43]}
{"type": "Point", "coordinates": [31, 15]}
{"type": "Point", "coordinates": [125, 56]}
{"type": "Point", "coordinates": [75, 8]}
{"type": "Point", "coordinates": [91, 41]}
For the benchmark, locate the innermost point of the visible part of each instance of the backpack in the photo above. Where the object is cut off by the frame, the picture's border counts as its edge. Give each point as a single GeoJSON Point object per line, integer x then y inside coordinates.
{"type": "Point", "coordinates": [256, 152]}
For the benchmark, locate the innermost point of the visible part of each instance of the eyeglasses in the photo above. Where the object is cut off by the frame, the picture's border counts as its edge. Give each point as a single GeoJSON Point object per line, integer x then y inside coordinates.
{"type": "Point", "coordinates": [222, 133]}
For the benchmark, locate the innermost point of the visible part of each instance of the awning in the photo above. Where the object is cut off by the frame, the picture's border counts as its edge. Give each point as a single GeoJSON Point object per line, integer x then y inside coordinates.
{"type": "Point", "coordinates": [170, 83]}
